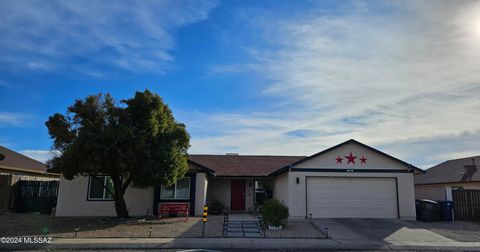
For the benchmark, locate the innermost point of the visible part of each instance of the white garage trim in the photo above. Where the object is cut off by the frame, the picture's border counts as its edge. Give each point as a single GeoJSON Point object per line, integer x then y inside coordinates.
{"type": "Point", "coordinates": [335, 197]}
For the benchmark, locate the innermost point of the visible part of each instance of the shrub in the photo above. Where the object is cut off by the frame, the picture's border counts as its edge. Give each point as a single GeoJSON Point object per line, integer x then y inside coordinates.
{"type": "Point", "coordinates": [274, 212]}
{"type": "Point", "coordinates": [216, 207]}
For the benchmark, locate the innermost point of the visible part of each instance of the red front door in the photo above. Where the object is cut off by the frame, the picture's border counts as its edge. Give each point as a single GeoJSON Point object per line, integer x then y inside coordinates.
{"type": "Point", "coordinates": [238, 195]}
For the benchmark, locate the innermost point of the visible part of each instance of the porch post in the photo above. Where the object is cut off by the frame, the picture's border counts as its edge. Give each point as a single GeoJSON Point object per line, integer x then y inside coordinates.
{"type": "Point", "coordinates": [200, 193]}
{"type": "Point", "coordinates": [448, 193]}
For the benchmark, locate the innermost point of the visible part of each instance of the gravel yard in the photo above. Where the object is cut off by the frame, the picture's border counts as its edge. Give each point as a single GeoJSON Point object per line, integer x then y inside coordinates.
{"type": "Point", "coordinates": [465, 231]}
{"type": "Point", "coordinates": [296, 229]}
{"type": "Point", "coordinates": [13, 224]}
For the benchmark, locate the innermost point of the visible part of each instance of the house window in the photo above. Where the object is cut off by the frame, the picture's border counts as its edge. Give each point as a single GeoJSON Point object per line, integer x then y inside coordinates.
{"type": "Point", "coordinates": [97, 189]}
{"type": "Point", "coordinates": [179, 190]}
{"type": "Point", "coordinates": [260, 191]}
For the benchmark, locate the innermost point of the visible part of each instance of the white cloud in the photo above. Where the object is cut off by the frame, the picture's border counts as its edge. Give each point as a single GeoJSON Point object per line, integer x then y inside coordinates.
{"type": "Point", "coordinates": [39, 155]}
{"type": "Point", "coordinates": [87, 36]}
{"type": "Point", "coordinates": [388, 78]}
{"type": "Point", "coordinates": [14, 119]}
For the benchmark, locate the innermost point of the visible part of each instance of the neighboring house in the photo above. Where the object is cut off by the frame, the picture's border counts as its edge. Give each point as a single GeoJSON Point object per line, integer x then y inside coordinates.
{"type": "Point", "coordinates": [15, 167]}
{"type": "Point", "coordinates": [349, 180]}
{"type": "Point", "coordinates": [23, 168]}
{"type": "Point", "coordinates": [438, 181]}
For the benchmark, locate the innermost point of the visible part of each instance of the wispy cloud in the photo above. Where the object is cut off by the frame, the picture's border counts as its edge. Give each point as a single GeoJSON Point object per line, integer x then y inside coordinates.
{"type": "Point", "coordinates": [14, 119]}
{"type": "Point", "coordinates": [87, 36]}
{"type": "Point", "coordinates": [39, 155]}
{"type": "Point", "coordinates": [387, 74]}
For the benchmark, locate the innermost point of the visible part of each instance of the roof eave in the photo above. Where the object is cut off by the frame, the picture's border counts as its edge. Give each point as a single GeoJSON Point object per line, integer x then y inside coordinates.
{"type": "Point", "coordinates": [206, 169]}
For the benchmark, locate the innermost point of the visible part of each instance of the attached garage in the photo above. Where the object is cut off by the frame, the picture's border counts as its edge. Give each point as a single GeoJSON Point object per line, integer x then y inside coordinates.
{"type": "Point", "coordinates": [348, 197]}
{"type": "Point", "coordinates": [349, 180]}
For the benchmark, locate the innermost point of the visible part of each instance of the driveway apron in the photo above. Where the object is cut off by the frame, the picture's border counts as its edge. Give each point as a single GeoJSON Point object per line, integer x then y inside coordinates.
{"type": "Point", "coordinates": [380, 231]}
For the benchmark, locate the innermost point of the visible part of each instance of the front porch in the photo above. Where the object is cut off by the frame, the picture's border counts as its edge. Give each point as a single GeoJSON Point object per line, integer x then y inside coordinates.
{"type": "Point", "coordinates": [239, 194]}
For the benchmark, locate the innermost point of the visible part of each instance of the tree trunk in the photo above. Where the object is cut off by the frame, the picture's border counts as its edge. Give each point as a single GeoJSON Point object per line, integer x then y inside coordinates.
{"type": "Point", "coordinates": [121, 206]}
{"type": "Point", "coordinates": [118, 197]}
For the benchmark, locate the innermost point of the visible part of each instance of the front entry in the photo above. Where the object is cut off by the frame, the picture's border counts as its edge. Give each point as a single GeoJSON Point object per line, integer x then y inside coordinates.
{"type": "Point", "coordinates": [238, 195]}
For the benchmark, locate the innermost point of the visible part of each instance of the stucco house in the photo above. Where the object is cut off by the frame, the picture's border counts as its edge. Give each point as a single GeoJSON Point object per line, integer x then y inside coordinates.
{"type": "Point", "coordinates": [349, 180]}
{"type": "Point", "coordinates": [438, 181]}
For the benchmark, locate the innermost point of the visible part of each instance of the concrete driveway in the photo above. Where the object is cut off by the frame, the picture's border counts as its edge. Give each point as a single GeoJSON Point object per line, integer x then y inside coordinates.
{"type": "Point", "coordinates": [378, 231]}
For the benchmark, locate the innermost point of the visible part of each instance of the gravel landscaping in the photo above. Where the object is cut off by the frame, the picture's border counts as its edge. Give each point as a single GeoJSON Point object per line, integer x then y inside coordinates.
{"type": "Point", "coordinates": [296, 229]}
{"type": "Point", "coordinates": [465, 231]}
{"type": "Point", "coordinates": [13, 224]}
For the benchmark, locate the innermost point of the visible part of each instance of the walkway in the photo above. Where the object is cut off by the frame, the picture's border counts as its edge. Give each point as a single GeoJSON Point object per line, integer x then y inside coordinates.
{"type": "Point", "coordinates": [242, 225]}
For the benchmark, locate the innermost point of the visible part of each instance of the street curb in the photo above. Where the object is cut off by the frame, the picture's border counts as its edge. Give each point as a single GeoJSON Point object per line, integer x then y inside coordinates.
{"type": "Point", "coordinates": [232, 243]}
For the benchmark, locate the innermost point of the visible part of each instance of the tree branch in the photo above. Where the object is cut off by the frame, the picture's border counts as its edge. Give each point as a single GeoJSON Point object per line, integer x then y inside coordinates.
{"type": "Point", "coordinates": [127, 182]}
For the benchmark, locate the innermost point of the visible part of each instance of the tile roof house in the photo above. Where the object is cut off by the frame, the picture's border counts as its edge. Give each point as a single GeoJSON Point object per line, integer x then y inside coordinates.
{"type": "Point", "coordinates": [21, 165]}
{"type": "Point", "coordinates": [439, 180]}
{"type": "Point", "coordinates": [349, 180]}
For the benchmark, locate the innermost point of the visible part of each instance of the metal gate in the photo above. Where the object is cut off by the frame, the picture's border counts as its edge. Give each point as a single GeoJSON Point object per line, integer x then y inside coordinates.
{"type": "Point", "coordinates": [467, 204]}
{"type": "Point", "coordinates": [34, 196]}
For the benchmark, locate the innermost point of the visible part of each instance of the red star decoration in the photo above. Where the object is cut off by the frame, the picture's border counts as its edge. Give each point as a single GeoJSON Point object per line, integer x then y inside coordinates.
{"type": "Point", "coordinates": [363, 159]}
{"type": "Point", "coordinates": [350, 158]}
{"type": "Point", "coordinates": [339, 160]}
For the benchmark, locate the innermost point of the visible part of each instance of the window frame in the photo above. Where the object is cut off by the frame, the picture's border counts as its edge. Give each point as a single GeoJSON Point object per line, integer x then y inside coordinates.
{"type": "Point", "coordinates": [263, 190]}
{"type": "Point", "coordinates": [104, 189]}
{"type": "Point", "coordinates": [175, 190]}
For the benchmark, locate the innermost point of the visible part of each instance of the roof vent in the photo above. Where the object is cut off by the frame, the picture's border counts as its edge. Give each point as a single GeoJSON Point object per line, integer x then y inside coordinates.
{"type": "Point", "coordinates": [231, 154]}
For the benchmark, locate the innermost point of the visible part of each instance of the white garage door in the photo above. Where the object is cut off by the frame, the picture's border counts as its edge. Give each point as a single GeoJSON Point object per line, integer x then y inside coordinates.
{"type": "Point", "coordinates": [351, 197]}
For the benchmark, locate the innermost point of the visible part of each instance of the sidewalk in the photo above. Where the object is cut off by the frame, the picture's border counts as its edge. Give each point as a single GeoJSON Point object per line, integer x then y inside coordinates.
{"type": "Point", "coordinates": [238, 243]}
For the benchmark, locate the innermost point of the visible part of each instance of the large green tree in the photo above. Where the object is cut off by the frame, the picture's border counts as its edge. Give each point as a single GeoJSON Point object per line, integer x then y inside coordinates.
{"type": "Point", "coordinates": [137, 142]}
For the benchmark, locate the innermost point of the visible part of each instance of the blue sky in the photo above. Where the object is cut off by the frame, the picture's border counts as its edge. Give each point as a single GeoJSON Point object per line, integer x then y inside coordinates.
{"type": "Point", "coordinates": [254, 77]}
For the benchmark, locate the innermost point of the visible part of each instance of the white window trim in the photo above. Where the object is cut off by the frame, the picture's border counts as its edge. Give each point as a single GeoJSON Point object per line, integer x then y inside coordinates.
{"type": "Point", "coordinates": [104, 189]}
{"type": "Point", "coordinates": [175, 190]}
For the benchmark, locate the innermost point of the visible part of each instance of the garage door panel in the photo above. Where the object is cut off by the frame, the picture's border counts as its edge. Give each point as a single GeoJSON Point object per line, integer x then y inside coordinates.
{"type": "Point", "coordinates": [351, 197]}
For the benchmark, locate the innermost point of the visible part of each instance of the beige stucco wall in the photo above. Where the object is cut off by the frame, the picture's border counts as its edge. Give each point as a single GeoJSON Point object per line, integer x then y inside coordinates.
{"type": "Point", "coordinates": [249, 196]}
{"type": "Point", "coordinates": [219, 189]}
{"type": "Point", "coordinates": [374, 160]}
{"type": "Point", "coordinates": [296, 192]}
{"type": "Point", "coordinates": [280, 188]}
{"type": "Point", "coordinates": [201, 184]}
{"type": "Point", "coordinates": [438, 192]}
{"type": "Point", "coordinates": [72, 200]}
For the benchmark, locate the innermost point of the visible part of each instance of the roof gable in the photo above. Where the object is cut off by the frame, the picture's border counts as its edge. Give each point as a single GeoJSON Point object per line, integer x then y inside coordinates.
{"type": "Point", "coordinates": [350, 155]}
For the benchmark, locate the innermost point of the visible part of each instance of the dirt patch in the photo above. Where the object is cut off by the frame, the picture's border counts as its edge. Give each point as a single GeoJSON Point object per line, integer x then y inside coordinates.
{"type": "Point", "coordinates": [296, 229]}
{"type": "Point", "coordinates": [36, 224]}
{"type": "Point", "coordinates": [464, 231]}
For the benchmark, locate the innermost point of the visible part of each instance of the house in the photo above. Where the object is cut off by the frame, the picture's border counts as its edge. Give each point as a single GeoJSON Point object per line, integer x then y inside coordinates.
{"type": "Point", "coordinates": [349, 180]}
{"type": "Point", "coordinates": [438, 181]}
{"type": "Point", "coordinates": [14, 167]}
{"type": "Point", "coordinates": [23, 167]}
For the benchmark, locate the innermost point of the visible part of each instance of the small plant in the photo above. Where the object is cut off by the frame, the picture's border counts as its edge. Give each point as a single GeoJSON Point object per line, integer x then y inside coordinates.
{"type": "Point", "coordinates": [216, 207]}
{"type": "Point", "coordinates": [274, 212]}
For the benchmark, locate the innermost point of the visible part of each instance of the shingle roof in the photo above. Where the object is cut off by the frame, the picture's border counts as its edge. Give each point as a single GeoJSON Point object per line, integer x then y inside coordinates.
{"type": "Point", "coordinates": [243, 165]}
{"type": "Point", "coordinates": [450, 171]}
{"type": "Point", "coordinates": [16, 161]}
